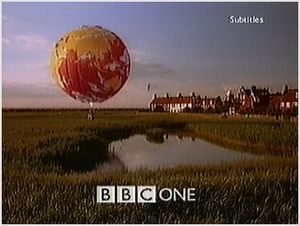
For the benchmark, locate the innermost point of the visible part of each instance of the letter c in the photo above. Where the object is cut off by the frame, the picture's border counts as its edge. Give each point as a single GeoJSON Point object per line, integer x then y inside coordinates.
{"type": "Point", "coordinates": [142, 194]}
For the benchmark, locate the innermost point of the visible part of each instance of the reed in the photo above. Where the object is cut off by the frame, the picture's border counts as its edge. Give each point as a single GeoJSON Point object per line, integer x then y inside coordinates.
{"type": "Point", "coordinates": [49, 177]}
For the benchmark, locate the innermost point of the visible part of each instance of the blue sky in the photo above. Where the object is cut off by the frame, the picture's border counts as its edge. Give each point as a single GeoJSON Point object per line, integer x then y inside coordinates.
{"type": "Point", "coordinates": [176, 47]}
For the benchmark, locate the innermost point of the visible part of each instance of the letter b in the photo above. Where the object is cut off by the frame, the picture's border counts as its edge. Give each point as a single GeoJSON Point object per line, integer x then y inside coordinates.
{"type": "Point", "coordinates": [105, 194]}
{"type": "Point", "coordinates": [126, 194]}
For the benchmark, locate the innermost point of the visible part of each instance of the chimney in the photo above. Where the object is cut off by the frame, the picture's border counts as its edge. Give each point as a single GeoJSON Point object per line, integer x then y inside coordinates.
{"type": "Point", "coordinates": [193, 98]}
{"type": "Point", "coordinates": [154, 96]}
{"type": "Point", "coordinates": [285, 89]}
{"type": "Point", "coordinates": [179, 95]}
{"type": "Point", "coordinates": [167, 95]}
{"type": "Point", "coordinates": [242, 89]}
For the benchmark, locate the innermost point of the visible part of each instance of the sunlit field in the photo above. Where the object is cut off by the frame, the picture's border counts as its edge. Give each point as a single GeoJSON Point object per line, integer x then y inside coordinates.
{"type": "Point", "coordinates": [49, 175]}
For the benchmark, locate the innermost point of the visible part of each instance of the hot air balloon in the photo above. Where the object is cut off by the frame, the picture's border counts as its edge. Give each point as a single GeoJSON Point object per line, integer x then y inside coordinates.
{"type": "Point", "coordinates": [90, 64]}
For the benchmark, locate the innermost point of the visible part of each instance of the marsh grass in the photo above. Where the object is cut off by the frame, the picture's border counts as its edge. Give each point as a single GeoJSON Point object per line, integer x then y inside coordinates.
{"type": "Point", "coordinates": [49, 177]}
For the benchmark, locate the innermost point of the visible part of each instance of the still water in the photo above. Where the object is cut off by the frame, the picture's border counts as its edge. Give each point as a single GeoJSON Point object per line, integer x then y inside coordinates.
{"type": "Point", "coordinates": [139, 151]}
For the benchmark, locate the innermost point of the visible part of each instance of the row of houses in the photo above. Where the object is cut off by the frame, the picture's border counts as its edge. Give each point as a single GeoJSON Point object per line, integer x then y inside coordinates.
{"type": "Point", "coordinates": [181, 103]}
{"type": "Point", "coordinates": [245, 101]}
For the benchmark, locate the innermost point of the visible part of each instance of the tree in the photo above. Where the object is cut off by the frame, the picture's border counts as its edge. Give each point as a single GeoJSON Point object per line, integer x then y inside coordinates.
{"type": "Point", "coordinates": [187, 109]}
{"type": "Point", "coordinates": [158, 109]}
{"type": "Point", "coordinates": [219, 105]}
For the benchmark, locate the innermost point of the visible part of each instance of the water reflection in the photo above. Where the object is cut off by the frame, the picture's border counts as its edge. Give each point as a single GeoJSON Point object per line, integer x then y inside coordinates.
{"type": "Point", "coordinates": [153, 152]}
{"type": "Point", "coordinates": [155, 138]}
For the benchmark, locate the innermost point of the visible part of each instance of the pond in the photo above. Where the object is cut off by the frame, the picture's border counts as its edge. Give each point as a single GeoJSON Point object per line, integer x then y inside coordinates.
{"type": "Point", "coordinates": [139, 151]}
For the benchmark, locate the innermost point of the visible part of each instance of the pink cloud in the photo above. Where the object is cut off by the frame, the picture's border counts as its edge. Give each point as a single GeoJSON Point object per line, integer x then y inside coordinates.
{"type": "Point", "coordinates": [28, 42]}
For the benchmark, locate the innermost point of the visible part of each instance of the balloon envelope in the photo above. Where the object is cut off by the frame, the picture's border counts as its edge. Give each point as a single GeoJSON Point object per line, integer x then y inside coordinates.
{"type": "Point", "coordinates": [90, 64]}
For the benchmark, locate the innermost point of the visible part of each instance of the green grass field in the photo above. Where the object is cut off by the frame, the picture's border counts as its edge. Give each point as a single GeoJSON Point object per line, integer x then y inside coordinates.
{"type": "Point", "coordinates": [49, 177]}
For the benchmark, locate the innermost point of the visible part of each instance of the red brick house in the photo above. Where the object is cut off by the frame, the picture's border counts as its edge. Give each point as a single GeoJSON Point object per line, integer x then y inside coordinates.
{"type": "Point", "coordinates": [180, 103]}
{"type": "Point", "coordinates": [171, 104]}
{"type": "Point", "coordinates": [208, 103]}
{"type": "Point", "coordinates": [285, 102]}
{"type": "Point", "coordinates": [253, 100]}
{"type": "Point", "coordinates": [247, 101]}
{"type": "Point", "coordinates": [289, 100]}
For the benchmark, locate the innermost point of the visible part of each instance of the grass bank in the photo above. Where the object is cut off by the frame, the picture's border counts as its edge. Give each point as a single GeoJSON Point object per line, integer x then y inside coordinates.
{"type": "Point", "coordinates": [49, 157]}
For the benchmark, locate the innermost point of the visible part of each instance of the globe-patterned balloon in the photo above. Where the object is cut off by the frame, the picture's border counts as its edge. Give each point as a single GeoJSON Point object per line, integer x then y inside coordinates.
{"type": "Point", "coordinates": [90, 64]}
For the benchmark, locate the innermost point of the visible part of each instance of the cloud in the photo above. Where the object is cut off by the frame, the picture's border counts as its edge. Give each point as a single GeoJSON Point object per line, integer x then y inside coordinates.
{"type": "Point", "coordinates": [6, 41]}
{"type": "Point", "coordinates": [29, 90]}
{"type": "Point", "coordinates": [28, 42]}
{"type": "Point", "coordinates": [20, 95]}
{"type": "Point", "coordinates": [144, 63]}
{"type": "Point", "coordinates": [139, 55]}
{"type": "Point", "coordinates": [4, 18]}
{"type": "Point", "coordinates": [155, 69]}
{"type": "Point", "coordinates": [147, 70]}
{"type": "Point", "coordinates": [8, 19]}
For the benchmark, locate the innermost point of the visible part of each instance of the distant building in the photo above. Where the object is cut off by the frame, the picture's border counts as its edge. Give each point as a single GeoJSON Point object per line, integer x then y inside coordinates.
{"type": "Point", "coordinates": [208, 103]}
{"type": "Point", "coordinates": [230, 105]}
{"type": "Point", "coordinates": [274, 103]}
{"type": "Point", "coordinates": [246, 101]}
{"type": "Point", "coordinates": [171, 104]}
{"type": "Point", "coordinates": [289, 99]}
{"type": "Point", "coordinates": [180, 103]}
{"type": "Point", "coordinates": [253, 100]}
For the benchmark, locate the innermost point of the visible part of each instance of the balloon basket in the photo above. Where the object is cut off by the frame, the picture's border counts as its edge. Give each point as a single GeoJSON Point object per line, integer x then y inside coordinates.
{"type": "Point", "coordinates": [91, 114]}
